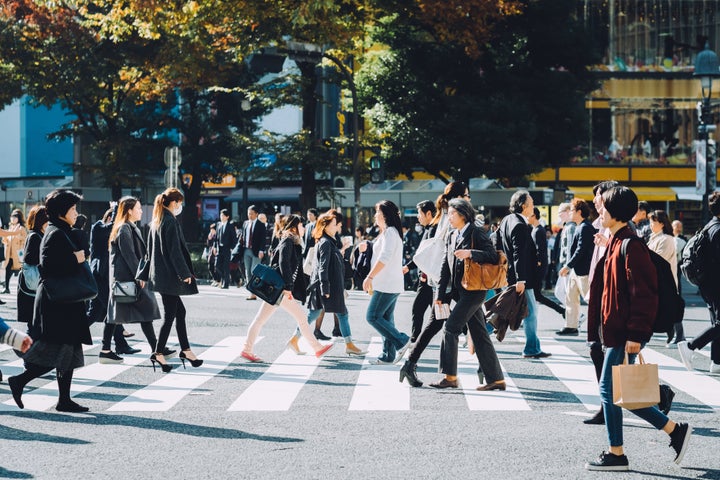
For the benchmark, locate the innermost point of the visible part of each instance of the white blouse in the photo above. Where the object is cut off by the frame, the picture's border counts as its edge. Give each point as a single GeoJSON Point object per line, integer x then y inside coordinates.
{"type": "Point", "coordinates": [388, 248]}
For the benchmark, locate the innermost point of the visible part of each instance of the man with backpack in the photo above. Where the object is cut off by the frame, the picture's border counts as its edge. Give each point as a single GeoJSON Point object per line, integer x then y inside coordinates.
{"type": "Point", "coordinates": [700, 267]}
{"type": "Point", "coordinates": [623, 322]}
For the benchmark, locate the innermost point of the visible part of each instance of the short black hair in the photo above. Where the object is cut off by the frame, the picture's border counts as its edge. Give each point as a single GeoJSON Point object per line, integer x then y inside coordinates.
{"type": "Point", "coordinates": [603, 187]}
{"type": "Point", "coordinates": [314, 211]}
{"type": "Point", "coordinates": [59, 201]}
{"type": "Point", "coordinates": [536, 212]}
{"type": "Point", "coordinates": [225, 212]}
{"type": "Point", "coordinates": [517, 201]}
{"type": "Point", "coordinates": [621, 203]}
{"type": "Point", "coordinates": [253, 208]}
{"type": "Point", "coordinates": [644, 206]}
{"type": "Point", "coordinates": [714, 203]}
{"type": "Point", "coordinates": [427, 206]}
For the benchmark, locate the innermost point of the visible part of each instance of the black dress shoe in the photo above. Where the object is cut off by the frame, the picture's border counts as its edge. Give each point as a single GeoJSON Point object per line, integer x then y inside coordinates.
{"type": "Point", "coordinates": [445, 383]}
{"type": "Point", "coordinates": [321, 336]}
{"type": "Point", "coordinates": [127, 350]}
{"type": "Point", "coordinates": [538, 355]}
{"type": "Point", "coordinates": [71, 407]}
{"type": "Point", "coordinates": [597, 419]}
{"type": "Point", "coordinates": [568, 332]}
{"type": "Point", "coordinates": [499, 385]}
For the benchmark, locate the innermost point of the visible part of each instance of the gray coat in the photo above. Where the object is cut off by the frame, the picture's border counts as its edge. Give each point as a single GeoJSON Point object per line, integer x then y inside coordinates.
{"type": "Point", "coordinates": [126, 250]}
{"type": "Point", "coordinates": [328, 277]}
{"type": "Point", "coordinates": [170, 259]}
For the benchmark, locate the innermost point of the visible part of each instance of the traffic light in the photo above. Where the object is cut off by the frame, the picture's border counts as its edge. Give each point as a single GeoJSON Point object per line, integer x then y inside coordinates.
{"type": "Point", "coordinates": [377, 170]}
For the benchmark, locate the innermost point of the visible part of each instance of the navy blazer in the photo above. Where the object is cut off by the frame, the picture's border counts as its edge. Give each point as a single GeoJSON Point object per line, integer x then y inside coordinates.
{"type": "Point", "coordinates": [514, 238]}
{"type": "Point", "coordinates": [581, 249]}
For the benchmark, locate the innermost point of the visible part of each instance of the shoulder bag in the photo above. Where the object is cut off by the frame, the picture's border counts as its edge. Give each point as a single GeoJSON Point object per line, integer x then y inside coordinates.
{"type": "Point", "coordinates": [72, 288]}
{"type": "Point", "coordinates": [485, 276]}
{"type": "Point", "coordinates": [266, 283]}
{"type": "Point", "coordinates": [31, 276]}
{"type": "Point", "coordinates": [125, 292]}
{"type": "Point", "coordinates": [429, 254]}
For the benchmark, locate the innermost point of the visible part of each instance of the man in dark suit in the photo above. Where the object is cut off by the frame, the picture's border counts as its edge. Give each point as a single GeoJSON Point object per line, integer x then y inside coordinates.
{"type": "Point", "coordinates": [225, 240]}
{"type": "Point", "coordinates": [577, 268]}
{"type": "Point", "coordinates": [514, 238]}
{"type": "Point", "coordinates": [253, 242]}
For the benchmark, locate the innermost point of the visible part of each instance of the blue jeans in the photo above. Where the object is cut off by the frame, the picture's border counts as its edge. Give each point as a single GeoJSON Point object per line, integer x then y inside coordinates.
{"type": "Point", "coordinates": [342, 320]}
{"type": "Point", "coordinates": [381, 315]}
{"type": "Point", "coordinates": [613, 413]}
{"type": "Point", "coordinates": [532, 342]}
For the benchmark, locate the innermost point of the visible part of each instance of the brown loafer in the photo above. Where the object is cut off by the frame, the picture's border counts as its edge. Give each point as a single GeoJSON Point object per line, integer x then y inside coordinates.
{"type": "Point", "coordinates": [499, 385]}
{"type": "Point", "coordinates": [445, 383]}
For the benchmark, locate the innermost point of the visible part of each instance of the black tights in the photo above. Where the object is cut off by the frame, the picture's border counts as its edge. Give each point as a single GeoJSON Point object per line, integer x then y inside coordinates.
{"type": "Point", "coordinates": [64, 379]}
{"type": "Point", "coordinates": [115, 330]}
{"type": "Point", "coordinates": [8, 273]}
{"type": "Point", "coordinates": [174, 312]}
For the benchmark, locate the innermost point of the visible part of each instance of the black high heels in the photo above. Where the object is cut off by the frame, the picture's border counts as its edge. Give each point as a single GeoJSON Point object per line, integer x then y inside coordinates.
{"type": "Point", "coordinates": [166, 367]}
{"type": "Point", "coordinates": [195, 363]}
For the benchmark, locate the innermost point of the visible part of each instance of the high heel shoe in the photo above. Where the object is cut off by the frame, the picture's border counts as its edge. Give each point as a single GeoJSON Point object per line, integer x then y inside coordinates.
{"type": "Point", "coordinates": [166, 367]}
{"type": "Point", "coordinates": [292, 344]}
{"type": "Point", "coordinates": [195, 363]}
{"type": "Point", "coordinates": [408, 371]}
{"type": "Point", "coordinates": [353, 351]}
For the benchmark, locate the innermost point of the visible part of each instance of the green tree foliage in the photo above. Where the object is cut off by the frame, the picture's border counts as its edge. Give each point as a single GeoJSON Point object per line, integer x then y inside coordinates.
{"type": "Point", "coordinates": [509, 111]}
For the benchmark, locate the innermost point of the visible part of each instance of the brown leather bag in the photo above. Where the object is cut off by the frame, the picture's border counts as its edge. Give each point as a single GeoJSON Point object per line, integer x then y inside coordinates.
{"type": "Point", "coordinates": [485, 276]}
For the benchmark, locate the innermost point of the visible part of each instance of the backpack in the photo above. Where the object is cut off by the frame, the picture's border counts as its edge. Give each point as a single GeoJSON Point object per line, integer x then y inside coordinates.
{"type": "Point", "coordinates": [671, 306]}
{"type": "Point", "coordinates": [696, 258]}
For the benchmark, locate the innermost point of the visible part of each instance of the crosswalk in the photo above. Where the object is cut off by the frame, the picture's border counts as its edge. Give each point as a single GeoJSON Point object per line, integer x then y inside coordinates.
{"type": "Point", "coordinates": [376, 387]}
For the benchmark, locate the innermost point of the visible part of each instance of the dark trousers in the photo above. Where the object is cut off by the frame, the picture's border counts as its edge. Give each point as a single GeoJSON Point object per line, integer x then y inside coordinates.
{"type": "Point", "coordinates": [712, 333]}
{"type": "Point", "coordinates": [423, 300]}
{"type": "Point", "coordinates": [431, 328]}
{"type": "Point", "coordinates": [174, 312]}
{"type": "Point", "coordinates": [547, 302]}
{"type": "Point", "coordinates": [113, 330]}
{"type": "Point", "coordinates": [468, 311]}
{"type": "Point", "coordinates": [222, 267]}
{"type": "Point", "coordinates": [9, 273]}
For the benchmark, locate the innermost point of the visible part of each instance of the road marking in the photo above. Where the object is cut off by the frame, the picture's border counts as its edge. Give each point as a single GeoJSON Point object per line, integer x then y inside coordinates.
{"type": "Point", "coordinates": [166, 392]}
{"type": "Point", "coordinates": [510, 399]}
{"type": "Point", "coordinates": [574, 371]}
{"type": "Point", "coordinates": [377, 386]}
{"type": "Point", "coordinates": [278, 387]}
{"type": "Point", "coordinates": [694, 384]}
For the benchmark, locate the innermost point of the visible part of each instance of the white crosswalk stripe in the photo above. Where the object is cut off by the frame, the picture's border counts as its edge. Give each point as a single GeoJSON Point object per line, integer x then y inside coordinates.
{"type": "Point", "coordinates": [172, 387]}
{"type": "Point", "coordinates": [376, 387]}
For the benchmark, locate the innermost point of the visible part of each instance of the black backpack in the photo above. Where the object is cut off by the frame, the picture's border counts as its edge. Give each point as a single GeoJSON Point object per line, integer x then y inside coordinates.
{"type": "Point", "coordinates": [671, 306]}
{"type": "Point", "coordinates": [696, 261]}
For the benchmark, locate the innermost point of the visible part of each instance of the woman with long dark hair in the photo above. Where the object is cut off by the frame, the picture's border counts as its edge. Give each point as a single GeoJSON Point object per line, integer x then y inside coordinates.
{"type": "Point", "coordinates": [170, 274]}
{"type": "Point", "coordinates": [126, 250]}
{"type": "Point", "coordinates": [63, 327]}
{"type": "Point", "coordinates": [385, 283]}
{"type": "Point", "coordinates": [37, 222]}
{"type": "Point", "coordinates": [327, 289]}
{"type": "Point", "coordinates": [287, 257]}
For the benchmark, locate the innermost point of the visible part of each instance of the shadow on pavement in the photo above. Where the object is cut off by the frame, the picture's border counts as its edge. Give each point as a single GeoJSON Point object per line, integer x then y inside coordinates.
{"type": "Point", "coordinates": [5, 473]}
{"type": "Point", "coordinates": [9, 433]}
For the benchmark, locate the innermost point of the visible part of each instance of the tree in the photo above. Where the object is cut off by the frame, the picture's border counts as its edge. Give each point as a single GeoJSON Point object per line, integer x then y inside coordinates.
{"type": "Point", "coordinates": [507, 112]}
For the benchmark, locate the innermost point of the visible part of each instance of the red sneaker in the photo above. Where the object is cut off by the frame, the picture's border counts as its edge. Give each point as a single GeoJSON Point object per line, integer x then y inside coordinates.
{"type": "Point", "coordinates": [251, 357]}
{"type": "Point", "coordinates": [324, 350]}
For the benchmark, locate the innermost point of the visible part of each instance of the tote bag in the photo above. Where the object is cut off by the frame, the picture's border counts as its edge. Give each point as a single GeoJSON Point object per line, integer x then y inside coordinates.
{"type": "Point", "coordinates": [561, 289]}
{"type": "Point", "coordinates": [429, 254]}
{"type": "Point", "coordinates": [73, 288]}
{"type": "Point", "coordinates": [635, 386]}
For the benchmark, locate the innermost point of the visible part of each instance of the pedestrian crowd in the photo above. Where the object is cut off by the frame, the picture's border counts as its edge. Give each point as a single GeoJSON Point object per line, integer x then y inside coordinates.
{"type": "Point", "coordinates": [590, 262]}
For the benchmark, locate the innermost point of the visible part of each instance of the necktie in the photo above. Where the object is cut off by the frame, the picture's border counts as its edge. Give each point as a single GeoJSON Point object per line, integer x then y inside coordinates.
{"type": "Point", "coordinates": [250, 235]}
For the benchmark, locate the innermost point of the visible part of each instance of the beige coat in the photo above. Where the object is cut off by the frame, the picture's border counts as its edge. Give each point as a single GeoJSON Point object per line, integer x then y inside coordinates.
{"type": "Point", "coordinates": [664, 245]}
{"type": "Point", "coordinates": [14, 245]}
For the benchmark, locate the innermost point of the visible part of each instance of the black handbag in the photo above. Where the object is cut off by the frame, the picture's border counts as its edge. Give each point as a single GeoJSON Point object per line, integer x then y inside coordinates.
{"type": "Point", "coordinates": [125, 292]}
{"type": "Point", "coordinates": [71, 289]}
{"type": "Point", "coordinates": [266, 283]}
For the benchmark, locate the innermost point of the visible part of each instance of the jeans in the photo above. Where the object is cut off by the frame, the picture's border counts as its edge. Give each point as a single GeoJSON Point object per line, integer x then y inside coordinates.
{"type": "Point", "coordinates": [380, 315]}
{"type": "Point", "coordinates": [468, 311]}
{"type": "Point", "coordinates": [343, 319]}
{"type": "Point", "coordinates": [532, 342]}
{"type": "Point", "coordinates": [613, 413]}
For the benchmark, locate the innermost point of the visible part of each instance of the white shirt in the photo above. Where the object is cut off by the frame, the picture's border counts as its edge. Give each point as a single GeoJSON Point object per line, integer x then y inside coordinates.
{"type": "Point", "coordinates": [248, 232]}
{"type": "Point", "coordinates": [387, 248]}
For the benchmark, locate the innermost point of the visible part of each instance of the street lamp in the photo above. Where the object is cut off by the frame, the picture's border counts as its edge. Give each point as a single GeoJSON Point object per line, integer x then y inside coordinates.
{"type": "Point", "coordinates": [707, 67]}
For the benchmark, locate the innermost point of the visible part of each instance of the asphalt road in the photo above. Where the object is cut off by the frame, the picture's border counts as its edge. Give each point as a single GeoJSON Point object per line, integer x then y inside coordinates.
{"type": "Point", "coordinates": [295, 417]}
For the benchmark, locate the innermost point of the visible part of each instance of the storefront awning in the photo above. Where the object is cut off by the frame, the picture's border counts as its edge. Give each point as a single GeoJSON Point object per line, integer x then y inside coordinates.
{"type": "Point", "coordinates": [274, 194]}
{"type": "Point", "coordinates": [687, 193]}
{"type": "Point", "coordinates": [649, 194]}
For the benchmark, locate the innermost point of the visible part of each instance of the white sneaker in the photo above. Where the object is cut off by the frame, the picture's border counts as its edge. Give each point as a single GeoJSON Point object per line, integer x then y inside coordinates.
{"type": "Point", "coordinates": [686, 354]}
{"type": "Point", "coordinates": [714, 367]}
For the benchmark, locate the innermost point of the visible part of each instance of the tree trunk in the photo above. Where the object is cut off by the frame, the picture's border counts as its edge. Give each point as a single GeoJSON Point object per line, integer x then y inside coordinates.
{"type": "Point", "coordinates": [309, 86]}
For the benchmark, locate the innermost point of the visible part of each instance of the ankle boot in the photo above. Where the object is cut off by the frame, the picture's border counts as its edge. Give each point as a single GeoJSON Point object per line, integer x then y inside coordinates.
{"type": "Point", "coordinates": [408, 371]}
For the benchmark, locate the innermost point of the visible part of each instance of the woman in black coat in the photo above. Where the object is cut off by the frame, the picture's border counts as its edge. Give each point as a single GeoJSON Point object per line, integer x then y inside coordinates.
{"type": "Point", "coordinates": [126, 250]}
{"type": "Point", "coordinates": [469, 241]}
{"type": "Point", "coordinates": [169, 272]}
{"type": "Point", "coordinates": [63, 326]}
{"type": "Point", "coordinates": [37, 222]}
{"type": "Point", "coordinates": [327, 281]}
{"type": "Point", "coordinates": [287, 258]}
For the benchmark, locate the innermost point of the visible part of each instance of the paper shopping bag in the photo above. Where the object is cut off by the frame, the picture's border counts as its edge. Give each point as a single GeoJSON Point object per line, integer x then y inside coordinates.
{"type": "Point", "coordinates": [635, 386]}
